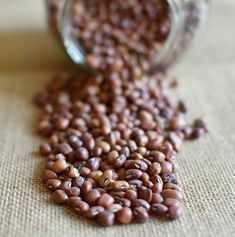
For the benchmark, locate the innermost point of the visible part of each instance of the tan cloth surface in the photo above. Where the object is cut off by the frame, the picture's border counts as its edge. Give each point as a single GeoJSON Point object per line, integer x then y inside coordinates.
{"type": "Point", "coordinates": [207, 166]}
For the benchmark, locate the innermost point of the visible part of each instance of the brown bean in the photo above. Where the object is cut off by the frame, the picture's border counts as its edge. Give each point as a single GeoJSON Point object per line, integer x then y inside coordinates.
{"type": "Point", "coordinates": [176, 123]}
{"type": "Point", "coordinates": [157, 183]}
{"type": "Point", "coordinates": [72, 172]}
{"type": "Point", "coordinates": [169, 178]}
{"type": "Point", "coordinates": [141, 203]}
{"type": "Point", "coordinates": [48, 174]}
{"type": "Point", "coordinates": [176, 140]}
{"type": "Point", "coordinates": [93, 212]}
{"type": "Point", "coordinates": [145, 194]}
{"type": "Point", "coordinates": [124, 216]}
{"type": "Point", "coordinates": [145, 115]}
{"type": "Point", "coordinates": [86, 187]}
{"type": "Point", "coordinates": [182, 106]}
{"type": "Point", "coordinates": [105, 180]}
{"type": "Point", "coordinates": [136, 164]}
{"type": "Point", "coordinates": [170, 193]}
{"type": "Point", "coordinates": [78, 182]}
{"type": "Point", "coordinates": [133, 174]}
{"type": "Point", "coordinates": [104, 146]}
{"type": "Point", "coordinates": [132, 145]}
{"type": "Point", "coordinates": [134, 184]}
{"type": "Point", "coordinates": [125, 151]}
{"type": "Point", "coordinates": [95, 175]}
{"type": "Point", "coordinates": [157, 156]}
{"type": "Point", "coordinates": [105, 200]}
{"type": "Point", "coordinates": [75, 142]}
{"type": "Point", "coordinates": [53, 140]}
{"type": "Point", "coordinates": [119, 161]}
{"type": "Point", "coordinates": [63, 148]}
{"type": "Point", "coordinates": [147, 162]}
{"type": "Point", "coordinates": [174, 212]}
{"type": "Point", "coordinates": [142, 150]}
{"type": "Point", "coordinates": [106, 218]}
{"type": "Point", "coordinates": [112, 156]}
{"type": "Point", "coordinates": [59, 166]}
{"type": "Point", "coordinates": [145, 177]}
{"type": "Point", "coordinates": [92, 197]}
{"type": "Point", "coordinates": [65, 186]}
{"type": "Point", "coordinates": [197, 132]}
{"type": "Point", "coordinates": [93, 61]}
{"type": "Point", "coordinates": [141, 140]}
{"type": "Point", "coordinates": [93, 164]}
{"type": "Point", "coordinates": [159, 209]}
{"type": "Point", "coordinates": [59, 157]}
{"type": "Point", "coordinates": [73, 192]}
{"type": "Point", "coordinates": [71, 200]}
{"type": "Point", "coordinates": [117, 194]}
{"type": "Point", "coordinates": [111, 138]}
{"type": "Point", "coordinates": [81, 154]}
{"type": "Point", "coordinates": [124, 202]}
{"type": "Point", "coordinates": [148, 184]}
{"type": "Point", "coordinates": [89, 143]}
{"type": "Point", "coordinates": [80, 206]}
{"type": "Point", "coordinates": [114, 207]}
{"type": "Point", "coordinates": [121, 174]}
{"type": "Point", "coordinates": [101, 190]}
{"type": "Point", "coordinates": [104, 166]}
{"type": "Point", "coordinates": [45, 149]}
{"type": "Point", "coordinates": [171, 202]}
{"type": "Point", "coordinates": [200, 123]}
{"type": "Point", "coordinates": [84, 171]}
{"type": "Point", "coordinates": [172, 186]}
{"type": "Point", "coordinates": [167, 167]}
{"type": "Point", "coordinates": [120, 185]}
{"type": "Point", "coordinates": [155, 168]}
{"type": "Point", "coordinates": [157, 188]}
{"type": "Point", "coordinates": [156, 198]}
{"type": "Point", "coordinates": [140, 214]}
{"type": "Point", "coordinates": [96, 152]}
{"type": "Point", "coordinates": [44, 128]}
{"type": "Point", "coordinates": [53, 184]}
{"type": "Point", "coordinates": [59, 197]}
{"type": "Point", "coordinates": [62, 123]}
{"type": "Point", "coordinates": [49, 165]}
{"type": "Point", "coordinates": [131, 195]}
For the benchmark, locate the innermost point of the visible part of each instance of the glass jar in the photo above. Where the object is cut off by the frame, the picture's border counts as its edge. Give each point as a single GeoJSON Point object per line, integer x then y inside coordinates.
{"type": "Point", "coordinates": [186, 18]}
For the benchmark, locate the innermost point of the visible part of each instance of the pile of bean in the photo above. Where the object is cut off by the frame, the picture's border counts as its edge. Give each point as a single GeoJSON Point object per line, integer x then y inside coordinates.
{"type": "Point", "coordinates": [113, 137]}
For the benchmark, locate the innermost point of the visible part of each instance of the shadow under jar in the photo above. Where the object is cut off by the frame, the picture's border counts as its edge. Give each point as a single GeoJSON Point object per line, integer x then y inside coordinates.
{"type": "Point", "coordinates": [178, 22]}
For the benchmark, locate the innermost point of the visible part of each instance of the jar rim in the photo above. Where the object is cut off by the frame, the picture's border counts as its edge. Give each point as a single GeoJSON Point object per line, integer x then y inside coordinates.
{"type": "Point", "coordinates": [65, 29]}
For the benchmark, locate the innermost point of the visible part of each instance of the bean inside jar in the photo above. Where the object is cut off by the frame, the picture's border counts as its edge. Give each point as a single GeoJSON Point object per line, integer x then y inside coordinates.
{"type": "Point", "coordinates": [113, 137]}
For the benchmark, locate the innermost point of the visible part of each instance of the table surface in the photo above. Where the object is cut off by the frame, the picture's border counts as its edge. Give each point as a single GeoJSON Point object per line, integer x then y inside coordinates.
{"type": "Point", "coordinates": [207, 167]}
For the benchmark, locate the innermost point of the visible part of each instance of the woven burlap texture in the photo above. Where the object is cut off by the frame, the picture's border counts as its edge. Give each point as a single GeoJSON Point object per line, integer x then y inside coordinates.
{"type": "Point", "coordinates": [207, 166]}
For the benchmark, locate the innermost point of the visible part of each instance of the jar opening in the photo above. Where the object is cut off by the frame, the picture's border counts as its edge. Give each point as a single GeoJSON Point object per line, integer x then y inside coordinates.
{"type": "Point", "coordinates": [186, 17]}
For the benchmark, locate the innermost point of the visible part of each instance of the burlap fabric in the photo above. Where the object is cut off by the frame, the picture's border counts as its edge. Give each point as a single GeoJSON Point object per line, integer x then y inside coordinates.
{"type": "Point", "coordinates": [207, 166]}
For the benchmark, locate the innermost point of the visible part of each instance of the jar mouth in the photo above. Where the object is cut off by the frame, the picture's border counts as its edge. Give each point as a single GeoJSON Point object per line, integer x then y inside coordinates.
{"type": "Point", "coordinates": [77, 54]}
{"type": "Point", "coordinates": [175, 30]}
